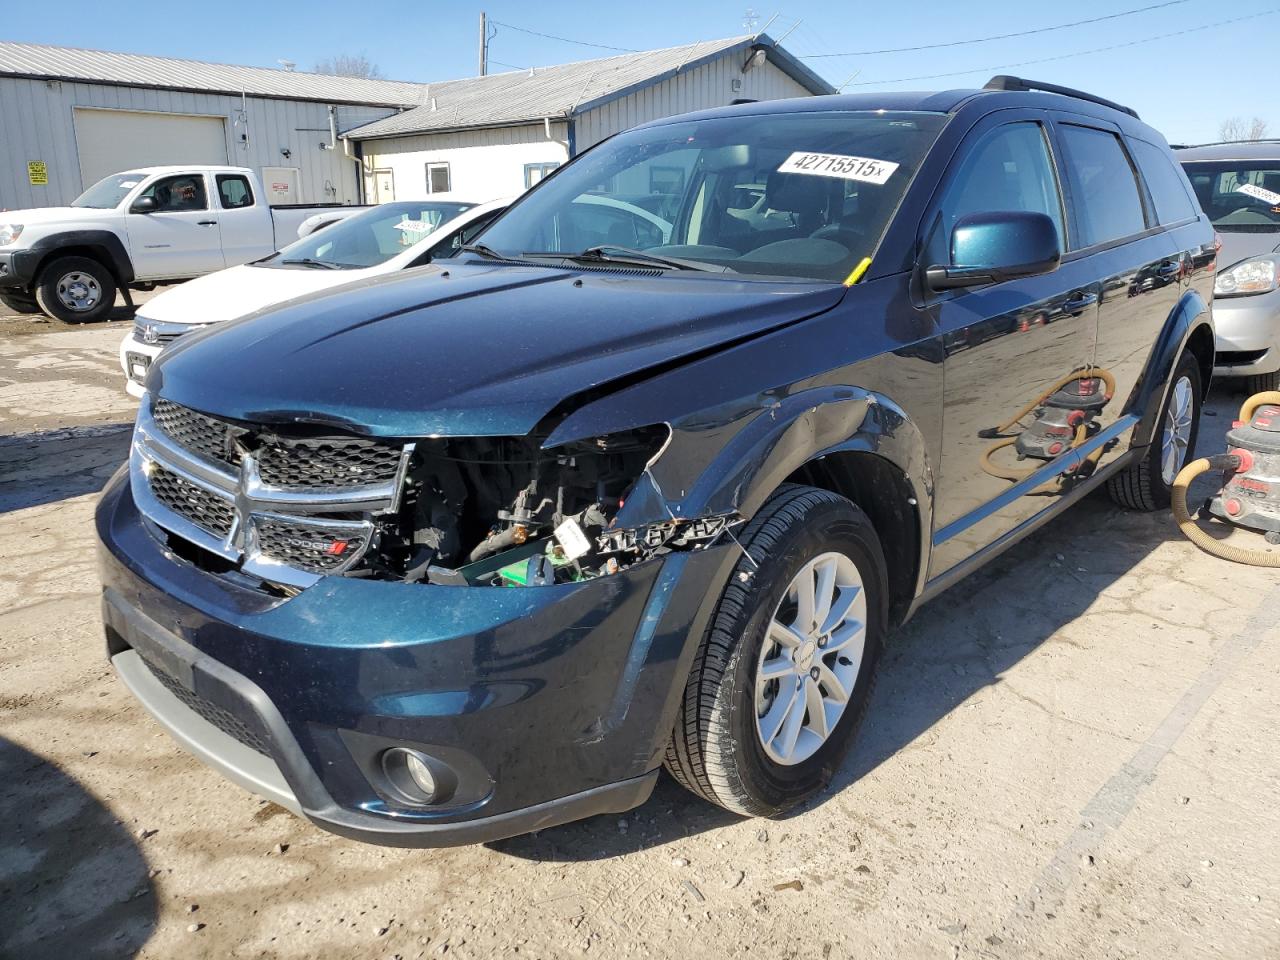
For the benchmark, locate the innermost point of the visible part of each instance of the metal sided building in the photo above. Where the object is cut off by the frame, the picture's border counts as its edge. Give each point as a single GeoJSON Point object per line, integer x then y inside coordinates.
{"type": "Point", "coordinates": [69, 117]}
{"type": "Point", "coordinates": [496, 135]}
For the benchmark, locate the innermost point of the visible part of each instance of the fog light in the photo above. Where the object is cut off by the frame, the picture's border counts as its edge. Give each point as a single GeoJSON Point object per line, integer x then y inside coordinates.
{"type": "Point", "coordinates": [418, 778]}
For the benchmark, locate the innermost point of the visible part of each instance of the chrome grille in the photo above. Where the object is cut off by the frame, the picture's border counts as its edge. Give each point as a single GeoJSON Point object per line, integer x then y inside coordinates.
{"type": "Point", "coordinates": [197, 432]}
{"type": "Point", "coordinates": [289, 510]}
{"type": "Point", "coordinates": [328, 463]}
{"type": "Point", "coordinates": [151, 331]}
{"type": "Point", "coordinates": [204, 509]}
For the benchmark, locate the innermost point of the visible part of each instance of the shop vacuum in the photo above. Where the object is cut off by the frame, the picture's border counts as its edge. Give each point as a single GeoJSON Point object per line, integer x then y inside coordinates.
{"type": "Point", "coordinates": [1250, 496]}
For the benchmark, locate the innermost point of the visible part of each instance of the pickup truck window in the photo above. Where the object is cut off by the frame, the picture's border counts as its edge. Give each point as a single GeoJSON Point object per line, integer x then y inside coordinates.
{"type": "Point", "coordinates": [803, 194]}
{"type": "Point", "coordinates": [234, 191]}
{"type": "Point", "coordinates": [368, 238]}
{"type": "Point", "coordinates": [176, 194]}
{"type": "Point", "coordinates": [108, 192]}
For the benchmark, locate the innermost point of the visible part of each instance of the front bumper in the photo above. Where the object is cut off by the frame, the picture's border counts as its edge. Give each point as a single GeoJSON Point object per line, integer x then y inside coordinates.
{"type": "Point", "coordinates": [552, 703]}
{"type": "Point", "coordinates": [17, 269]}
{"type": "Point", "coordinates": [136, 359]}
{"type": "Point", "coordinates": [1248, 334]}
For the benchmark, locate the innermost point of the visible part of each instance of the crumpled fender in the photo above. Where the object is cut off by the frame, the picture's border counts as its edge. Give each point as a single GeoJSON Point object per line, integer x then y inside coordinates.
{"type": "Point", "coordinates": [730, 461]}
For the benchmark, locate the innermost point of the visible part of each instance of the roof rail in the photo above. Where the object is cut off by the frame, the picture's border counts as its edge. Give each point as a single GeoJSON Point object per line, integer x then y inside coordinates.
{"type": "Point", "coordinates": [1222, 143]}
{"type": "Point", "coordinates": [1006, 82]}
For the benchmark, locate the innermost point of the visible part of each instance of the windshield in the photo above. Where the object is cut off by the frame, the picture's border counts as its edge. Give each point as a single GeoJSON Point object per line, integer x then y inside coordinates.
{"type": "Point", "coordinates": [1240, 196]}
{"type": "Point", "coordinates": [784, 194]}
{"type": "Point", "coordinates": [368, 238]}
{"type": "Point", "coordinates": [107, 193]}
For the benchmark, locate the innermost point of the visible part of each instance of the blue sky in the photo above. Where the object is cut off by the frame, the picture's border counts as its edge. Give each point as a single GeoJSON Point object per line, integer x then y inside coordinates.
{"type": "Point", "coordinates": [1184, 85]}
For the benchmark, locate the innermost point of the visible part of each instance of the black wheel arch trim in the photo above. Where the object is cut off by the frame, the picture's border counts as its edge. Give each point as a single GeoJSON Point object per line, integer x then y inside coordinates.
{"type": "Point", "coordinates": [1190, 316]}
{"type": "Point", "coordinates": [102, 245]}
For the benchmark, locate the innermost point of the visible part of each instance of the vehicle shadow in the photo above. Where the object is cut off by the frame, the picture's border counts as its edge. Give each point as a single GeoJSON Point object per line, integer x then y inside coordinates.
{"type": "Point", "coordinates": [955, 647]}
{"type": "Point", "coordinates": [73, 882]}
{"type": "Point", "coordinates": [55, 465]}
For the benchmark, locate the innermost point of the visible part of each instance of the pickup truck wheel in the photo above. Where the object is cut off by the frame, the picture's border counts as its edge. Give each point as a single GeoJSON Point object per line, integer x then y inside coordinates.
{"type": "Point", "coordinates": [76, 290]}
{"type": "Point", "coordinates": [1146, 484]}
{"type": "Point", "coordinates": [19, 304]}
{"type": "Point", "coordinates": [780, 682]}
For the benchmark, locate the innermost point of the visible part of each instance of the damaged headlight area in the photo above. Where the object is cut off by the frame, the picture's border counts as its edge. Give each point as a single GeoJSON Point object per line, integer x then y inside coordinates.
{"type": "Point", "coordinates": [503, 511]}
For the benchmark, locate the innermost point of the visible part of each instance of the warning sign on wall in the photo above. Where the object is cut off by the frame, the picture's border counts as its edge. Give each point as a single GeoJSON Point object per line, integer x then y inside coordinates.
{"type": "Point", "coordinates": [37, 173]}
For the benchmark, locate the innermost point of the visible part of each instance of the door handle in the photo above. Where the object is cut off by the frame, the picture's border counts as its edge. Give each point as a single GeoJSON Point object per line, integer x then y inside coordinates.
{"type": "Point", "coordinates": [207, 223]}
{"type": "Point", "coordinates": [1079, 302]}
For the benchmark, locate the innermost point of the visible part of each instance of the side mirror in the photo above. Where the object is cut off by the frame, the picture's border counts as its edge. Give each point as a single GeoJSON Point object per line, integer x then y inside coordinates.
{"type": "Point", "coordinates": [144, 205]}
{"type": "Point", "coordinates": [998, 246]}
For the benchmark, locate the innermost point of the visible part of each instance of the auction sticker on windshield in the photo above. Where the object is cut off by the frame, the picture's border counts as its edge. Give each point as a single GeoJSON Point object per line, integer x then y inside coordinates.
{"type": "Point", "coordinates": [838, 165]}
{"type": "Point", "coordinates": [1259, 193]}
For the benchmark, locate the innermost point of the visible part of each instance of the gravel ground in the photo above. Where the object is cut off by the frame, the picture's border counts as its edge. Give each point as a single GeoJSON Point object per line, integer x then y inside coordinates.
{"type": "Point", "coordinates": [1071, 754]}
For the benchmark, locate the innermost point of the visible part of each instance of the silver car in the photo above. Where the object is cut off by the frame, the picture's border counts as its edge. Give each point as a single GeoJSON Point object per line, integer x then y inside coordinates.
{"type": "Point", "coordinates": [1239, 188]}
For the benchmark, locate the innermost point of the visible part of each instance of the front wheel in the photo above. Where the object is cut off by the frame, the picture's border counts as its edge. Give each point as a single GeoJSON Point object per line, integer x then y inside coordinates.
{"type": "Point", "coordinates": [1146, 484]}
{"type": "Point", "coordinates": [76, 290]}
{"type": "Point", "coordinates": [782, 679]}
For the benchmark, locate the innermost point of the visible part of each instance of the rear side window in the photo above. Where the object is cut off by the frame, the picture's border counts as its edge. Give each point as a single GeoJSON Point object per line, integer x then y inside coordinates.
{"type": "Point", "coordinates": [1166, 183]}
{"type": "Point", "coordinates": [234, 191]}
{"type": "Point", "coordinates": [1105, 193]}
{"type": "Point", "coordinates": [1009, 169]}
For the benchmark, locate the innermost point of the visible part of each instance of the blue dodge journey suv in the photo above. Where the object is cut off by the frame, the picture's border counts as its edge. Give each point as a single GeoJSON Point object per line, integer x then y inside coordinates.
{"type": "Point", "coordinates": [644, 476]}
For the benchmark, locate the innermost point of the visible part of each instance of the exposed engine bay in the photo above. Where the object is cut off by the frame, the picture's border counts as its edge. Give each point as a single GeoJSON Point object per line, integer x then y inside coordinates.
{"type": "Point", "coordinates": [505, 512]}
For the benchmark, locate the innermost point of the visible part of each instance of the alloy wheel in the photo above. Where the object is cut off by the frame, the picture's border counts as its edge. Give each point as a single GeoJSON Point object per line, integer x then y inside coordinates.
{"type": "Point", "coordinates": [810, 658]}
{"type": "Point", "coordinates": [1179, 420]}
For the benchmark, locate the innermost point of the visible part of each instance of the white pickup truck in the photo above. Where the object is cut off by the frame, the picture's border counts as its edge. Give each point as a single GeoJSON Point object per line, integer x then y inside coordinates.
{"type": "Point", "coordinates": [139, 227]}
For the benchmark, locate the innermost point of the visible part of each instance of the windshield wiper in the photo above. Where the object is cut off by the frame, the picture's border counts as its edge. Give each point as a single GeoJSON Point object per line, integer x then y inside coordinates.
{"type": "Point", "coordinates": [485, 251]}
{"type": "Point", "coordinates": [311, 262]}
{"type": "Point", "coordinates": [612, 254]}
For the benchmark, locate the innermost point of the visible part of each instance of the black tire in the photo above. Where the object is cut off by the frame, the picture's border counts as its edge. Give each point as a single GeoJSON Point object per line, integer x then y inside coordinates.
{"type": "Point", "coordinates": [19, 303]}
{"type": "Point", "coordinates": [1141, 486]}
{"type": "Point", "coordinates": [715, 750]}
{"type": "Point", "coordinates": [1261, 383]}
{"type": "Point", "coordinates": [58, 273]}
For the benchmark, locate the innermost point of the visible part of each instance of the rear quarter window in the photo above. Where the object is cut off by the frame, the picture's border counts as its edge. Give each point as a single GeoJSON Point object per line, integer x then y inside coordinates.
{"type": "Point", "coordinates": [1169, 189]}
{"type": "Point", "coordinates": [1103, 188]}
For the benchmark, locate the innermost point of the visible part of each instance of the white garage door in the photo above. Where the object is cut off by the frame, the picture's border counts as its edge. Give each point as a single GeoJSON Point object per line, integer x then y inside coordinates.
{"type": "Point", "coordinates": [109, 141]}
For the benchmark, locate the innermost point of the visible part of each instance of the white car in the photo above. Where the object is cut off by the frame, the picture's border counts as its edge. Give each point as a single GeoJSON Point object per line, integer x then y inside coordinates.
{"type": "Point", "coordinates": [139, 227]}
{"type": "Point", "coordinates": [380, 240]}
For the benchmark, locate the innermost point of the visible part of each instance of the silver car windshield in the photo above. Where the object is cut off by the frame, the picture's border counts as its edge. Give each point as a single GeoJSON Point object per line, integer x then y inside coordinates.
{"type": "Point", "coordinates": [1240, 196]}
{"type": "Point", "coordinates": [804, 194]}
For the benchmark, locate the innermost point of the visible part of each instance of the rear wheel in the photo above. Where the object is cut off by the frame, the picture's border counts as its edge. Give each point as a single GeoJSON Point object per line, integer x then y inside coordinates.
{"type": "Point", "coordinates": [1146, 485]}
{"type": "Point", "coordinates": [76, 290]}
{"type": "Point", "coordinates": [1262, 383]}
{"type": "Point", "coordinates": [783, 677]}
{"type": "Point", "coordinates": [19, 303]}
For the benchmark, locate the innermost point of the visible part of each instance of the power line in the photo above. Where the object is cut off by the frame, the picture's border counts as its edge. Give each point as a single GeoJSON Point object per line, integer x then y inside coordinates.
{"type": "Point", "coordinates": [504, 64]}
{"type": "Point", "coordinates": [998, 36]}
{"type": "Point", "coordinates": [581, 43]}
{"type": "Point", "coordinates": [1068, 56]}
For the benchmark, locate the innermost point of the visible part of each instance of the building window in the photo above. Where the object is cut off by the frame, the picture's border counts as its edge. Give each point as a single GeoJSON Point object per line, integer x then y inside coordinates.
{"type": "Point", "coordinates": [533, 172]}
{"type": "Point", "coordinates": [438, 178]}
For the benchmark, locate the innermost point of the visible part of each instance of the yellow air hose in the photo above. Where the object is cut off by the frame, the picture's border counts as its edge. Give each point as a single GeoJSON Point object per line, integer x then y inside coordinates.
{"type": "Point", "coordinates": [1178, 497]}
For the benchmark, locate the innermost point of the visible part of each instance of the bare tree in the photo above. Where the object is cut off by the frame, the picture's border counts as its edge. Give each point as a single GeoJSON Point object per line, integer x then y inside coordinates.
{"type": "Point", "coordinates": [349, 65]}
{"type": "Point", "coordinates": [1236, 128]}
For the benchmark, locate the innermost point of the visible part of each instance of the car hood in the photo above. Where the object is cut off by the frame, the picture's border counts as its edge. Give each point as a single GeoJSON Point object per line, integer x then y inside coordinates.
{"type": "Point", "coordinates": [239, 291]}
{"type": "Point", "coordinates": [467, 350]}
{"type": "Point", "coordinates": [37, 215]}
{"type": "Point", "coordinates": [1241, 246]}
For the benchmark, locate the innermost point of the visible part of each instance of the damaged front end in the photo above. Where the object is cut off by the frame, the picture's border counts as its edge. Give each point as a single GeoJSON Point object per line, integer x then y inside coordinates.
{"type": "Point", "coordinates": [287, 505]}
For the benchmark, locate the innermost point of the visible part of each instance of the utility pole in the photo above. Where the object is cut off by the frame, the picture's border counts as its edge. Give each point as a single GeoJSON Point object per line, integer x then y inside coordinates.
{"type": "Point", "coordinates": [484, 45]}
